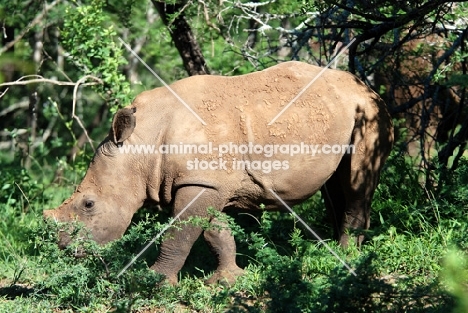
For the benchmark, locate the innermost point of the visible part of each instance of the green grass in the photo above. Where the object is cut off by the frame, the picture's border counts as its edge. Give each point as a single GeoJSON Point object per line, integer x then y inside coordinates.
{"type": "Point", "coordinates": [415, 259]}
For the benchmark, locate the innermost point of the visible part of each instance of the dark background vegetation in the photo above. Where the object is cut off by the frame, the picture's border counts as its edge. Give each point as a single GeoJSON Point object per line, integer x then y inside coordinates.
{"type": "Point", "coordinates": [64, 72]}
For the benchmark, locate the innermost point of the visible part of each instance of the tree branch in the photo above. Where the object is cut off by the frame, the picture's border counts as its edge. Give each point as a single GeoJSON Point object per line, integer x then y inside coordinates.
{"type": "Point", "coordinates": [37, 79]}
{"type": "Point", "coordinates": [33, 23]}
{"type": "Point", "coordinates": [34, 79]}
{"type": "Point", "coordinates": [183, 37]}
{"type": "Point", "coordinates": [414, 16]}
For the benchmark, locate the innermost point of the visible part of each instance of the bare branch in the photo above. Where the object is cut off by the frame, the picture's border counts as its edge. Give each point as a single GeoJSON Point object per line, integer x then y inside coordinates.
{"type": "Point", "coordinates": [74, 116]}
{"type": "Point", "coordinates": [207, 17]}
{"type": "Point", "coordinates": [35, 79]}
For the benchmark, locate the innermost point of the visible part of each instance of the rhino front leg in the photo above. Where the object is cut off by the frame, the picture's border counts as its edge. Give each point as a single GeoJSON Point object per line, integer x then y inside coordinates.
{"type": "Point", "coordinates": [179, 240]}
{"type": "Point", "coordinates": [222, 244]}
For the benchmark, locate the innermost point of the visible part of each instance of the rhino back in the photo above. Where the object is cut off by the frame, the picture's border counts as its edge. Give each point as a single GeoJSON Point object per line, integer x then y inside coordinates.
{"type": "Point", "coordinates": [238, 109]}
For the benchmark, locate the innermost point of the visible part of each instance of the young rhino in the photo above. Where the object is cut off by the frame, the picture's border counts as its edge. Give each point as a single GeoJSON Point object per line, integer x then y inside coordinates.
{"type": "Point", "coordinates": [243, 152]}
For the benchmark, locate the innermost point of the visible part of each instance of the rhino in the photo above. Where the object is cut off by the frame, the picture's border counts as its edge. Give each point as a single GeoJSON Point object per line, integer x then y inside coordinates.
{"type": "Point", "coordinates": [244, 159]}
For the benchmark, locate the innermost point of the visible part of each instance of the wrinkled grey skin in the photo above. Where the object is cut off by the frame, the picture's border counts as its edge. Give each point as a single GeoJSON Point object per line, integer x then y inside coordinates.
{"type": "Point", "coordinates": [336, 109]}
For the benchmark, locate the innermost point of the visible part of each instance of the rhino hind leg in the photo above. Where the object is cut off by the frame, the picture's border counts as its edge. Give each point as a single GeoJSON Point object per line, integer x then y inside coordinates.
{"type": "Point", "coordinates": [348, 195]}
{"type": "Point", "coordinates": [222, 244]}
{"type": "Point", "coordinates": [352, 186]}
{"type": "Point", "coordinates": [335, 203]}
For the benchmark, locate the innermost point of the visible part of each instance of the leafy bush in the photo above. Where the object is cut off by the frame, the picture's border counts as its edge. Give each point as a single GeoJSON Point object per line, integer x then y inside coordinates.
{"type": "Point", "coordinates": [91, 282]}
{"type": "Point", "coordinates": [455, 277]}
{"type": "Point", "coordinates": [400, 267]}
{"type": "Point", "coordinates": [90, 39]}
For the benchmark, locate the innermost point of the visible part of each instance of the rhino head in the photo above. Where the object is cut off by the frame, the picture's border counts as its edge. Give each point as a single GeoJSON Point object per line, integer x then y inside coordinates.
{"type": "Point", "coordinates": [110, 192]}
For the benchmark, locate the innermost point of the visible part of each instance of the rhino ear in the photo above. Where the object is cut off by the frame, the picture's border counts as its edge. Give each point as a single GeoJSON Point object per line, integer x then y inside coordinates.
{"type": "Point", "coordinates": [123, 124]}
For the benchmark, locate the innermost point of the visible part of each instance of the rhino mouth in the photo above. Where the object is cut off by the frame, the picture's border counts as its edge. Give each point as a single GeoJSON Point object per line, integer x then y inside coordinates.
{"type": "Point", "coordinates": [65, 240]}
{"type": "Point", "coordinates": [79, 254]}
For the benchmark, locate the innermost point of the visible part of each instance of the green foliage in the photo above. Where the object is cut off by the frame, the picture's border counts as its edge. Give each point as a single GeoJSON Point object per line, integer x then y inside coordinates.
{"type": "Point", "coordinates": [21, 194]}
{"type": "Point", "coordinates": [91, 283]}
{"type": "Point", "coordinates": [455, 276]}
{"type": "Point", "coordinates": [402, 267]}
{"type": "Point", "coordinates": [458, 80]}
{"type": "Point", "coordinates": [91, 40]}
{"type": "Point", "coordinates": [455, 179]}
{"type": "Point", "coordinates": [407, 206]}
{"type": "Point", "coordinates": [18, 187]}
{"type": "Point", "coordinates": [398, 269]}
{"type": "Point", "coordinates": [23, 66]}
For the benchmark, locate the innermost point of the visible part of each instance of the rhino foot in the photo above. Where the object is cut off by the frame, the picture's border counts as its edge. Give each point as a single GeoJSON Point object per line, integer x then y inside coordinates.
{"type": "Point", "coordinates": [226, 277]}
{"type": "Point", "coordinates": [169, 279]}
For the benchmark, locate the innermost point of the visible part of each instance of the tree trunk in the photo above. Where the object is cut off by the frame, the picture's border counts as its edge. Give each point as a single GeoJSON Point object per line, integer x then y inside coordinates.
{"type": "Point", "coordinates": [183, 38]}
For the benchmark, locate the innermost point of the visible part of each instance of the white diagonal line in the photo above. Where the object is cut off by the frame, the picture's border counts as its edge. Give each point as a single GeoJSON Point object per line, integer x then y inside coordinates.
{"type": "Point", "coordinates": [311, 82]}
{"type": "Point", "coordinates": [160, 233]}
{"type": "Point", "coordinates": [162, 81]}
{"type": "Point", "coordinates": [314, 233]}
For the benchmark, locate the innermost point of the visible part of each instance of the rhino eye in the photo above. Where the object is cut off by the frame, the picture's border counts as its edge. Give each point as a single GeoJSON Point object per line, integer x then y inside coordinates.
{"type": "Point", "coordinates": [89, 204]}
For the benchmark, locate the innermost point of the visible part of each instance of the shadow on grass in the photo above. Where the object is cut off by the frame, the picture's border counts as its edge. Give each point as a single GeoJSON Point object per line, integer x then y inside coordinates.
{"type": "Point", "coordinates": [285, 290]}
{"type": "Point", "coordinates": [370, 292]}
{"type": "Point", "coordinates": [13, 291]}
